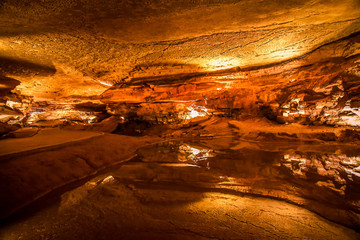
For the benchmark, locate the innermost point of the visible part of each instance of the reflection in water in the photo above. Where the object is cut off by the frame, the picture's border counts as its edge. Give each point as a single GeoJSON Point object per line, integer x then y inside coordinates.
{"type": "Point", "coordinates": [245, 161]}
{"type": "Point", "coordinates": [196, 189]}
{"type": "Point", "coordinates": [173, 151]}
{"type": "Point", "coordinates": [188, 153]}
{"type": "Point", "coordinates": [71, 198]}
{"type": "Point", "coordinates": [321, 177]}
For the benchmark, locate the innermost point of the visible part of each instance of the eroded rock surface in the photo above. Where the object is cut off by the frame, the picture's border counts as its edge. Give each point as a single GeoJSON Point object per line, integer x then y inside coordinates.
{"type": "Point", "coordinates": [266, 94]}
{"type": "Point", "coordinates": [165, 62]}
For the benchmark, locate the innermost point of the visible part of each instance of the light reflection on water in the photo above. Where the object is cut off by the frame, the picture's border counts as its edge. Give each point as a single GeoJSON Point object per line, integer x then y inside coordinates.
{"type": "Point", "coordinates": [188, 153]}
{"type": "Point", "coordinates": [310, 162]}
{"type": "Point", "coordinates": [329, 174]}
{"type": "Point", "coordinates": [322, 178]}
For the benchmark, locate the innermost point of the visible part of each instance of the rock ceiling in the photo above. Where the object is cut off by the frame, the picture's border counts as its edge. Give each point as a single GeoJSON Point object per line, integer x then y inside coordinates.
{"type": "Point", "coordinates": [168, 60]}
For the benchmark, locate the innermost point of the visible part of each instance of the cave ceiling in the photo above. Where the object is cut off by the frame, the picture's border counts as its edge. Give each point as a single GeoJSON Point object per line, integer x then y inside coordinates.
{"type": "Point", "coordinates": [287, 57]}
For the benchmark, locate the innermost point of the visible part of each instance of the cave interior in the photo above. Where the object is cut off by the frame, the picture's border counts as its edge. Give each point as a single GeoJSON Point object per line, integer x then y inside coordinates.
{"type": "Point", "coordinates": [165, 119]}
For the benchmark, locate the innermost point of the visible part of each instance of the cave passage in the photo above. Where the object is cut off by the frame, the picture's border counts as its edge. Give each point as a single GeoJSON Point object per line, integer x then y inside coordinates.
{"type": "Point", "coordinates": [165, 119]}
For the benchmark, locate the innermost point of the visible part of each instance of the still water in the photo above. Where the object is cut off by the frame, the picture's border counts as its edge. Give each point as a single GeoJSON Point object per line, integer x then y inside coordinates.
{"type": "Point", "coordinates": [210, 189]}
{"type": "Point", "coordinates": [324, 178]}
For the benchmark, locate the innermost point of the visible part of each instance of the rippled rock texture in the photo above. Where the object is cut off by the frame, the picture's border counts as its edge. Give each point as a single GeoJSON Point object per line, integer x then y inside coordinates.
{"type": "Point", "coordinates": [170, 61]}
{"type": "Point", "coordinates": [251, 107]}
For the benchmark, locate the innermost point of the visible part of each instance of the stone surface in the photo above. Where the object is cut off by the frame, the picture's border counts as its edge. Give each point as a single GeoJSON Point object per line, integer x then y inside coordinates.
{"type": "Point", "coordinates": [233, 58]}
{"type": "Point", "coordinates": [32, 167]}
{"type": "Point", "coordinates": [22, 133]}
{"type": "Point", "coordinates": [168, 202]}
{"type": "Point", "coordinates": [267, 92]}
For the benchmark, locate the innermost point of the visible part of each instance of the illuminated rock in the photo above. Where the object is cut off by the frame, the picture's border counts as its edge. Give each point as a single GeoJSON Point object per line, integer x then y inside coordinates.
{"type": "Point", "coordinates": [22, 132]}
{"type": "Point", "coordinates": [246, 97]}
{"type": "Point", "coordinates": [233, 58]}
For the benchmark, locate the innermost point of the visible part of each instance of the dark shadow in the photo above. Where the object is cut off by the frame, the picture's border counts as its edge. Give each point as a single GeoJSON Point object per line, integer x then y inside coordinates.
{"type": "Point", "coordinates": [2, 2]}
{"type": "Point", "coordinates": [7, 84]}
{"type": "Point", "coordinates": [24, 68]}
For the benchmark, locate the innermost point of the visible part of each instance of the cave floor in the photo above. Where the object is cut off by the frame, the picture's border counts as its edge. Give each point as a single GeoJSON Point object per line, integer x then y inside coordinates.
{"type": "Point", "coordinates": [87, 185]}
{"type": "Point", "coordinates": [106, 208]}
{"type": "Point", "coordinates": [45, 139]}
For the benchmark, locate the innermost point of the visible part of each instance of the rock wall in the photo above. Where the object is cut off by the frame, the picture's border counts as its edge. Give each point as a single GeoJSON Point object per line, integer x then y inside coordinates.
{"type": "Point", "coordinates": [168, 61]}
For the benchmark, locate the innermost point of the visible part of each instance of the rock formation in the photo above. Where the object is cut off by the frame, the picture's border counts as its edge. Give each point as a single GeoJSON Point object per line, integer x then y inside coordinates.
{"type": "Point", "coordinates": [289, 61]}
{"type": "Point", "coordinates": [256, 97]}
